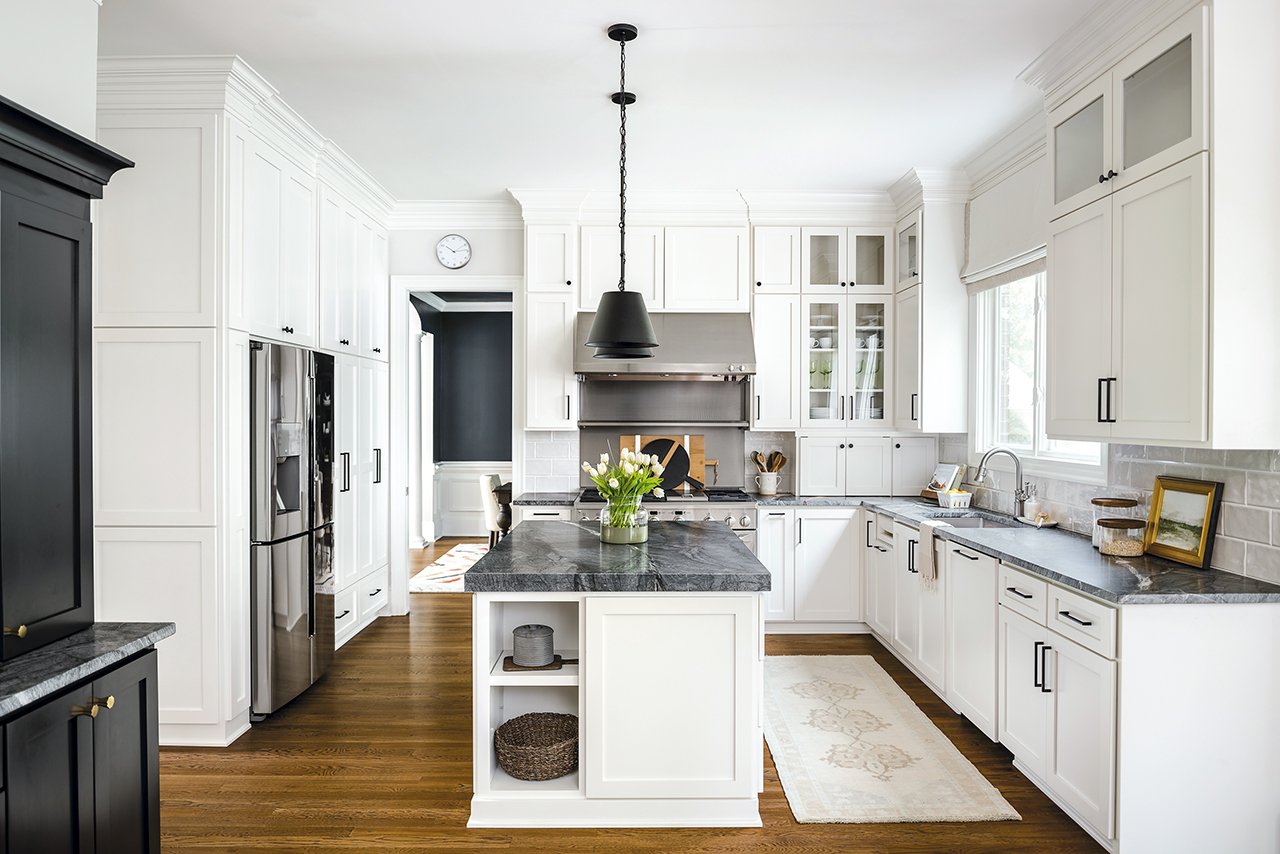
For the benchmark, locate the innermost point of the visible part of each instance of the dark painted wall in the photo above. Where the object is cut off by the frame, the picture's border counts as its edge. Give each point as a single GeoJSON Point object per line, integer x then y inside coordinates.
{"type": "Point", "coordinates": [472, 383]}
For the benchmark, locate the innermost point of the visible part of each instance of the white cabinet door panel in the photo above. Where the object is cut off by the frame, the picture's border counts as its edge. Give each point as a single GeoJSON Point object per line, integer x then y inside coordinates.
{"type": "Point", "coordinates": [600, 263]}
{"type": "Point", "coordinates": [821, 465]}
{"type": "Point", "coordinates": [931, 655]}
{"type": "Point", "coordinates": [868, 465]}
{"type": "Point", "coordinates": [828, 584]}
{"type": "Point", "coordinates": [669, 687]}
{"type": "Point", "coordinates": [906, 594]}
{"type": "Point", "coordinates": [372, 286]}
{"type": "Point", "coordinates": [972, 632]}
{"type": "Point", "coordinates": [706, 269]}
{"type": "Point", "coordinates": [776, 324]}
{"type": "Point", "coordinates": [1079, 327]}
{"type": "Point", "coordinates": [776, 259]}
{"type": "Point", "coordinates": [1024, 705]}
{"type": "Point", "coordinates": [1080, 150]}
{"type": "Point", "coordinates": [263, 193]}
{"type": "Point", "coordinates": [885, 592]}
{"type": "Point", "coordinates": [776, 548]}
{"type": "Point", "coordinates": [339, 229]}
{"type": "Point", "coordinates": [551, 258]}
{"type": "Point", "coordinates": [550, 384]}
{"type": "Point", "coordinates": [906, 324]}
{"type": "Point", "coordinates": [298, 285]}
{"type": "Point", "coordinates": [1160, 306]}
{"type": "Point", "coordinates": [1082, 756]}
{"type": "Point", "coordinates": [914, 460]}
{"type": "Point", "coordinates": [345, 515]}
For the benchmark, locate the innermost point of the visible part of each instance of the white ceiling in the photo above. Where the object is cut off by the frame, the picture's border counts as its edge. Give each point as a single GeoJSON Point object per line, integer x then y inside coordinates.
{"type": "Point", "coordinates": [461, 100]}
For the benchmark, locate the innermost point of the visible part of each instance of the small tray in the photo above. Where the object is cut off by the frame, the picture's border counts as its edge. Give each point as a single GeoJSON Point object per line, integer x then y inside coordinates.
{"type": "Point", "coordinates": [509, 666]}
{"type": "Point", "coordinates": [1032, 522]}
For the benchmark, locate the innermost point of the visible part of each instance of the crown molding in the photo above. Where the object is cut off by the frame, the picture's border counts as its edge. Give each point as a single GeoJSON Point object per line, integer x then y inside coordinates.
{"type": "Point", "coordinates": [1007, 153]}
{"type": "Point", "coordinates": [549, 206]}
{"type": "Point", "coordinates": [666, 207]}
{"type": "Point", "coordinates": [470, 214]}
{"type": "Point", "coordinates": [151, 84]}
{"type": "Point", "coordinates": [919, 186]}
{"type": "Point", "coordinates": [1096, 42]}
{"type": "Point", "coordinates": [781, 208]}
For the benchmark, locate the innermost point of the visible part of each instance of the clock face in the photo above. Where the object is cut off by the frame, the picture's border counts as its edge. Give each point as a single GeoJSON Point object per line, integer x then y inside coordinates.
{"type": "Point", "coordinates": [453, 251]}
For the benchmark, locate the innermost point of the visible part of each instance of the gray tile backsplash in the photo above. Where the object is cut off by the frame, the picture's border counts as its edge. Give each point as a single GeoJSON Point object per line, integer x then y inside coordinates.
{"type": "Point", "coordinates": [551, 460]}
{"type": "Point", "coordinates": [764, 442]}
{"type": "Point", "coordinates": [1248, 530]}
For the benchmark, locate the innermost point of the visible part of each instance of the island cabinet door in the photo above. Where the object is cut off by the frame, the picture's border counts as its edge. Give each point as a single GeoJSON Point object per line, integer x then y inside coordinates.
{"type": "Point", "coordinates": [670, 693]}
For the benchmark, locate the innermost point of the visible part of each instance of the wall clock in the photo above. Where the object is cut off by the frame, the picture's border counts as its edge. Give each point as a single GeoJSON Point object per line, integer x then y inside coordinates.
{"type": "Point", "coordinates": [453, 251]}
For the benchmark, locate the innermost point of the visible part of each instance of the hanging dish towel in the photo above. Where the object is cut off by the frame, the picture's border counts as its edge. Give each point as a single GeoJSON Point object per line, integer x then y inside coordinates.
{"type": "Point", "coordinates": [924, 555]}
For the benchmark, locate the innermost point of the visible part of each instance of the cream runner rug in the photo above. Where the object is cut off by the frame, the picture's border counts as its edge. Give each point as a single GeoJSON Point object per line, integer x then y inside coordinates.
{"type": "Point", "coordinates": [850, 746]}
{"type": "Point", "coordinates": [445, 575]}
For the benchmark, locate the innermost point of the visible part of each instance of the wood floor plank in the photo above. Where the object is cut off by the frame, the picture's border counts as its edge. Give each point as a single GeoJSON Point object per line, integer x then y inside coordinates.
{"type": "Point", "coordinates": [377, 757]}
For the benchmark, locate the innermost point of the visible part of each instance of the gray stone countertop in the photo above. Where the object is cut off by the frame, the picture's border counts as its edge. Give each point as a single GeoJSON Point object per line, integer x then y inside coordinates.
{"type": "Point", "coordinates": [46, 671]}
{"type": "Point", "coordinates": [546, 499]}
{"type": "Point", "coordinates": [1070, 559]}
{"type": "Point", "coordinates": [680, 557]}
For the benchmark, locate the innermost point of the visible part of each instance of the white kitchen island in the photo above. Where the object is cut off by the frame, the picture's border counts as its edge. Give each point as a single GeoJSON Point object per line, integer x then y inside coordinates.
{"type": "Point", "coordinates": [668, 692]}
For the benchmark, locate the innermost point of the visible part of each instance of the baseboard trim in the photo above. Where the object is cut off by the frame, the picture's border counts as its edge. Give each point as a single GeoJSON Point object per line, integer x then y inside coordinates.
{"type": "Point", "coordinates": [791, 627]}
{"type": "Point", "coordinates": [1109, 844]}
{"type": "Point", "coordinates": [221, 734]}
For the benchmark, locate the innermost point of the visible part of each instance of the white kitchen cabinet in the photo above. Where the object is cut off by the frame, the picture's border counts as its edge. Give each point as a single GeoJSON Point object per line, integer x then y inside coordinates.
{"type": "Point", "coordinates": [600, 264]}
{"type": "Point", "coordinates": [907, 331]}
{"type": "Point", "coordinates": [550, 384]}
{"type": "Point", "coordinates": [823, 261]}
{"type": "Point", "coordinates": [914, 459]}
{"type": "Point", "coordinates": [847, 465]}
{"type": "Point", "coordinates": [1058, 716]}
{"type": "Point", "coordinates": [828, 583]}
{"type": "Point", "coordinates": [776, 549]}
{"type": "Point", "coordinates": [877, 569]}
{"type": "Point", "coordinates": [845, 369]}
{"type": "Point", "coordinates": [931, 653]}
{"type": "Point", "coordinates": [870, 264]}
{"type": "Point", "coordinates": [339, 240]}
{"type": "Point", "coordinates": [370, 466]}
{"type": "Point", "coordinates": [1127, 275]}
{"type": "Point", "coordinates": [372, 292]}
{"type": "Point", "coordinates": [706, 268]}
{"type": "Point", "coordinates": [1145, 114]}
{"type": "Point", "coordinates": [346, 384]}
{"type": "Point", "coordinates": [906, 595]}
{"type": "Point", "coordinates": [775, 256]}
{"type": "Point", "coordinates": [776, 327]}
{"type": "Point", "coordinates": [673, 732]}
{"type": "Point", "coordinates": [972, 632]}
{"type": "Point", "coordinates": [868, 465]}
{"type": "Point", "coordinates": [551, 258]}
{"type": "Point", "coordinates": [910, 232]}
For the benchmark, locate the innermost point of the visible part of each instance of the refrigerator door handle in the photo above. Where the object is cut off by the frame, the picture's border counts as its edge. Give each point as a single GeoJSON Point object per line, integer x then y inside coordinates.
{"type": "Point", "coordinates": [377, 457]}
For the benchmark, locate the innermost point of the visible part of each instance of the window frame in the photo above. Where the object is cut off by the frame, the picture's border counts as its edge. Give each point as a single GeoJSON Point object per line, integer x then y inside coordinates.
{"type": "Point", "coordinates": [984, 381]}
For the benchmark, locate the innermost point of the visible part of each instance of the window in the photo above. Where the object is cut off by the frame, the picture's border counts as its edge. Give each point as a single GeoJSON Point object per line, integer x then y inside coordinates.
{"type": "Point", "coordinates": [1010, 340]}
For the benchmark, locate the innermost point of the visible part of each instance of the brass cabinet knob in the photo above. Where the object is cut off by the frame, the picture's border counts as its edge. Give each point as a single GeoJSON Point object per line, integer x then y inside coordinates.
{"type": "Point", "coordinates": [19, 632]}
{"type": "Point", "coordinates": [109, 701]}
{"type": "Point", "coordinates": [91, 710]}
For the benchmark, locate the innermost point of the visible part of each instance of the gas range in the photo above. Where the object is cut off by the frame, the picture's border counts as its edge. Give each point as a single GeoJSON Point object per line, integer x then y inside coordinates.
{"type": "Point", "coordinates": [733, 507]}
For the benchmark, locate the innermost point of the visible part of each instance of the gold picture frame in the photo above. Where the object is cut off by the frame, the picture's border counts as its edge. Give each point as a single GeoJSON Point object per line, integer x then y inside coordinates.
{"type": "Point", "coordinates": [1183, 520]}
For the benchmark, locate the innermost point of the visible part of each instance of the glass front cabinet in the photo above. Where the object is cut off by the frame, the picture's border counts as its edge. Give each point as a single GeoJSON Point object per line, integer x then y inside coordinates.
{"type": "Point", "coordinates": [845, 260]}
{"type": "Point", "coordinates": [1144, 115]}
{"type": "Point", "coordinates": [844, 374]}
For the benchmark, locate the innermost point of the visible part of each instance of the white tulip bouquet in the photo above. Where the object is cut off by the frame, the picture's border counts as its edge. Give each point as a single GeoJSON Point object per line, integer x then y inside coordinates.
{"type": "Point", "coordinates": [624, 483]}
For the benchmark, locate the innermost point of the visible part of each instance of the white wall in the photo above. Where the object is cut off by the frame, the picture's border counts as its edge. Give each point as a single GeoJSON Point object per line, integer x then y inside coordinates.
{"type": "Point", "coordinates": [494, 251]}
{"type": "Point", "coordinates": [49, 59]}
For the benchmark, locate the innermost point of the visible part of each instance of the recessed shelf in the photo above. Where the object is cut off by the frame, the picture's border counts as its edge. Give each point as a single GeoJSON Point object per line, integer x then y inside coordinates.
{"type": "Point", "coordinates": [566, 786]}
{"type": "Point", "coordinates": [566, 675]}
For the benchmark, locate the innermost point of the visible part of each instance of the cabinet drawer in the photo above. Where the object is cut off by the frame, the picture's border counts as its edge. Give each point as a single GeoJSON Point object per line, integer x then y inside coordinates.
{"type": "Point", "coordinates": [884, 527]}
{"type": "Point", "coordinates": [345, 614]}
{"type": "Point", "coordinates": [545, 514]}
{"type": "Point", "coordinates": [1088, 623]}
{"type": "Point", "coordinates": [1023, 593]}
{"type": "Point", "coordinates": [372, 593]}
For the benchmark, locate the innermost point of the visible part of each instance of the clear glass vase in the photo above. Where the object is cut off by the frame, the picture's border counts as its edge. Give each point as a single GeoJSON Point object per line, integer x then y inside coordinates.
{"type": "Point", "coordinates": [624, 521]}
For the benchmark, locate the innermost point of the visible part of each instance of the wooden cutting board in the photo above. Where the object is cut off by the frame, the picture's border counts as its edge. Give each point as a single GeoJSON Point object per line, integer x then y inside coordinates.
{"type": "Point", "coordinates": [695, 444]}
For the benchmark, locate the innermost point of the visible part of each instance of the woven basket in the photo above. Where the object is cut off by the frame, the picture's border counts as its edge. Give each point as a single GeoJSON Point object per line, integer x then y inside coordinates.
{"type": "Point", "coordinates": [538, 746]}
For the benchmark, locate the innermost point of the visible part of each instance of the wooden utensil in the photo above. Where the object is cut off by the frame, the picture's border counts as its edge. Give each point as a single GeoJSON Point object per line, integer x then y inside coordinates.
{"type": "Point", "coordinates": [777, 461]}
{"type": "Point", "coordinates": [758, 459]}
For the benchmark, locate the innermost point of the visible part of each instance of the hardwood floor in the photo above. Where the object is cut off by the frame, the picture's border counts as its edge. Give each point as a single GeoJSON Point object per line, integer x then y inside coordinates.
{"type": "Point", "coordinates": [377, 757]}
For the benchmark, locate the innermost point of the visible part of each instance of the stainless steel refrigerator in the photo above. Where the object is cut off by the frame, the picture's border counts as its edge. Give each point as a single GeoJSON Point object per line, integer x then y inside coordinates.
{"type": "Point", "coordinates": [291, 423]}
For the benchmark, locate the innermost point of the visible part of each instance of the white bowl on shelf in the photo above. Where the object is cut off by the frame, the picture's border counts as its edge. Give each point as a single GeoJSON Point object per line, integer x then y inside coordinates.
{"type": "Point", "coordinates": [819, 411]}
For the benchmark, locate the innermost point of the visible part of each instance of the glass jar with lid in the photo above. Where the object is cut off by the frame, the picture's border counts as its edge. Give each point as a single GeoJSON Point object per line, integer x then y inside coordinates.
{"type": "Point", "coordinates": [1121, 537]}
{"type": "Point", "coordinates": [1110, 504]}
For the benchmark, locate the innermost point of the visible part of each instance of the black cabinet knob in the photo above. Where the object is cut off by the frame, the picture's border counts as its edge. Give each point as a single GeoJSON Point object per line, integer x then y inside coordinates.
{"type": "Point", "coordinates": [842, 447]}
{"type": "Point", "coordinates": [344, 342]}
{"type": "Point", "coordinates": [757, 284]}
{"type": "Point", "coordinates": [897, 444]}
{"type": "Point", "coordinates": [377, 349]}
{"type": "Point", "coordinates": [569, 282]}
{"type": "Point", "coordinates": [843, 284]}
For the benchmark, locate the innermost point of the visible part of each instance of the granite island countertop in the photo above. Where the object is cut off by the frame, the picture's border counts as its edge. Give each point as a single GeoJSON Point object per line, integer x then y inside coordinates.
{"type": "Point", "coordinates": [546, 499]}
{"type": "Point", "coordinates": [680, 557]}
{"type": "Point", "coordinates": [46, 671]}
{"type": "Point", "coordinates": [1069, 558]}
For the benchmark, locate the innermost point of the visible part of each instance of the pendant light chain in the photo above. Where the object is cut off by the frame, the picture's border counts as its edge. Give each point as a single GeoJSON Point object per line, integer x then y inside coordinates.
{"type": "Point", "coordinates": [622, 169]}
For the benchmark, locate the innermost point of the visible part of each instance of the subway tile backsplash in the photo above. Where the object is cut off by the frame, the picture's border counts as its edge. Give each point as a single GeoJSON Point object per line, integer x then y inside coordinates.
{"type": "Point", "coordinates": [764, 442]}
{"type": "Point", "coordinates": [1248, 540]}
{"type": "Point", "coordinates": [551, 460]}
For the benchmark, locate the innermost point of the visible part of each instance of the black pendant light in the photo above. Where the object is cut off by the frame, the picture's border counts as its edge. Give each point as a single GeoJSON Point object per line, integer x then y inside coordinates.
{"type": "Point", "coordinates": [621, 329]}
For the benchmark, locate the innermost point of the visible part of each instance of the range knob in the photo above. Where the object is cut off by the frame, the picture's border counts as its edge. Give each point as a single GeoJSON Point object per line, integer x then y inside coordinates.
{"type": "Point", "coordinates": [745, 521]}
{"type": "Point", "coordinates": [728, 520]}
{"type": "Point", "coordinates": [708, 518]}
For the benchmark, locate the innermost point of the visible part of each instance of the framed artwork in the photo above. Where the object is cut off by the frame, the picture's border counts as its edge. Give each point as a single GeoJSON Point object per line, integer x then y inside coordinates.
{"type": "Point", "coordinates": [1183, 520]}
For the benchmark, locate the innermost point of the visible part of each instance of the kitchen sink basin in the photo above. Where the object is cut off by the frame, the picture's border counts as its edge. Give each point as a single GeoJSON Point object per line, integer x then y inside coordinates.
{"type": "Point", "coordinates": [974, 521]}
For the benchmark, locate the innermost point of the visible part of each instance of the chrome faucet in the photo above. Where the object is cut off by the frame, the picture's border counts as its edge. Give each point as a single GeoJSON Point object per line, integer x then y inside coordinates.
{"type": "Point", "coordinates": [1020, 491]}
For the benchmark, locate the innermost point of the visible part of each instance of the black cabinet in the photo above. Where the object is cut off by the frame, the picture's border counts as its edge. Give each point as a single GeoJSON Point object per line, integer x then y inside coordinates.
{"type": "Point", "coordinates": [47, 177]}
{"type": "Point", "coordinates": [81, 769]}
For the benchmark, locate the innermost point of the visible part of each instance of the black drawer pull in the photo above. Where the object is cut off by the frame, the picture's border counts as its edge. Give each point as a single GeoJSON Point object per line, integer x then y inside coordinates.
{"type": "Point", "coordinates": [343, 614]}
{"type": "Point", "coordinates": [1035, 665]}
{"type": "Point", "coordinates": [964, 555]}
{"type": "Point", "coordinates": [375, 593]}
{"type": "Point", "coordinates": [1016, 592]}
{"type": "Point", "coordinates": [1044, 669]}
{"type": "Point", "coordinates": [1073, 618]}
{"type": "Point", "coordinates": [870, 522]}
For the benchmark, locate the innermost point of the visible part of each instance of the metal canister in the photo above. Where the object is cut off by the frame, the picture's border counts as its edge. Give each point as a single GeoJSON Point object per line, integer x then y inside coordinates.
{"type": "Point", "coordinates": [532, 646]}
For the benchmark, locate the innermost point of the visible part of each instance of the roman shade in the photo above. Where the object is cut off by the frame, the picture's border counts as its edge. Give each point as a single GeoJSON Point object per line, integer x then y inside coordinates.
{"type": "Point", "coordinates": [1007, 229]}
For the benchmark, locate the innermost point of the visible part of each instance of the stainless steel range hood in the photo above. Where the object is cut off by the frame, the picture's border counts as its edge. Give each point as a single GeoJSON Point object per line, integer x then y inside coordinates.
{"type": "Point", "coordinates": [690, 347]}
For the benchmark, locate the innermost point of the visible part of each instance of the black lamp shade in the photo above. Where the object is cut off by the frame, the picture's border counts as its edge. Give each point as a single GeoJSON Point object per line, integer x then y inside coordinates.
{"type": "Point", "coordinates": [621, 329]}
